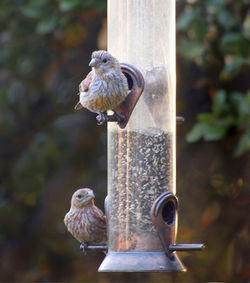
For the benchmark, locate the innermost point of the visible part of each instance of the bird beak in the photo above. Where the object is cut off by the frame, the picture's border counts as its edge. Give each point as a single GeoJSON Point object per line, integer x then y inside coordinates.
{"type": "Point", "coordinates": [91, 194]}
{"type": "Point", "coordinates": [93, 63]}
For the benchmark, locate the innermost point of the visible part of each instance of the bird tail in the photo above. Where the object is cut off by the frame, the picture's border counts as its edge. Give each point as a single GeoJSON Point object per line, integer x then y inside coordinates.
{"type": "Point", "coordinates": [78, 106]}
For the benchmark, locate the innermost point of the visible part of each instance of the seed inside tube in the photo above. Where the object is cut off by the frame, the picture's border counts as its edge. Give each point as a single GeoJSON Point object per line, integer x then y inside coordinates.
{"type": "Point", "coordinates": [142, 159]}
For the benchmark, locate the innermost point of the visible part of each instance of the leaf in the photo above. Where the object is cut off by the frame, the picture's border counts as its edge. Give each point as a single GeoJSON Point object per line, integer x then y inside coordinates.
{"type": "Point", "coordinates": [198, 29]}
{"type": "Point", "coordinates": [196, 133]}
{"type": "Point", "coordinates": [213, 131]}
{"type": "Point", "coordinates": [216, 3]}
{"type": "Point", "coordinates": [67, 5]}
{"type": "Point", "coordinates": [185, 19]}
{"type": "Point", "coordinates": [232, 68]}
{"type": "Point", "coordinates": [219, 105]}
{"type": "Point", "coordinates": [240, 107]}
{"type": "Point", "coordinates": [234, 43]}
{"type": "Point", "coordinates": [46, 25]}
{"type": "Point", "coordinates": [226, 121]}
{"type": "Point", "coordinates": [100, 5]}
{"type": "Point", "coordinates": [209, 128]}
{"type": "Point", "coordinates": [34, 8]}
{"type": "Point", "coordinates": [243, 144]}
{"type": "Point", "coordinates": [205, 117]}
{"type": "Point", "coordinates": [226, 19]}
{"type": "Point", "coordinates": [190, 49]}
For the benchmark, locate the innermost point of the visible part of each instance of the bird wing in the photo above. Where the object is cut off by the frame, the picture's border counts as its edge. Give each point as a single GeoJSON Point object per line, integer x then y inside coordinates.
{"type": "Point", "coordinates": [100, 218]}
{"type": "Point", "coordinates": [84, 85]}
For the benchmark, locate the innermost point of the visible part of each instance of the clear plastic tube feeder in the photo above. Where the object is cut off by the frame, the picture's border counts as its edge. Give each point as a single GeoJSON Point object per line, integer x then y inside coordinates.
{"type": "Point", "coordinates": [141, 204]}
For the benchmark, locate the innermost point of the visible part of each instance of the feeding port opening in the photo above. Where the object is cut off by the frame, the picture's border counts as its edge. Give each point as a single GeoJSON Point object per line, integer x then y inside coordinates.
{"type": "Point", "coordinates": [169, 212]}
{"type": "Point", "coordinates": [129, 79]}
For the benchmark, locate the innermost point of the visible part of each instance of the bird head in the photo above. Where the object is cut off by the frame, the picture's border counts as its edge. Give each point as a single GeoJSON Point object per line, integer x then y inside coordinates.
{"type": "Point", "coordinates": [103, 62]}
{"type": "Point", "coordinates": [82, 197]}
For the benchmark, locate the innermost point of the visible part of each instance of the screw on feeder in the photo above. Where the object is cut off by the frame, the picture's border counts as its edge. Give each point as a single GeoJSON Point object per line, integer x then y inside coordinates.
{"type": "Point", "coordinates": [180, 119]}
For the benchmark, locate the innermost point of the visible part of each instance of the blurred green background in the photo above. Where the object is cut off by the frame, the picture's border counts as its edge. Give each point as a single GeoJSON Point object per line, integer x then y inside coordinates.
{"type": "Point", "coordinates": [47, 150]}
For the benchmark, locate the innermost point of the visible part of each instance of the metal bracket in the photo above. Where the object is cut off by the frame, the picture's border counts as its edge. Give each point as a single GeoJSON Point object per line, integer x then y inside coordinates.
{"type": "Point", "coordinates": [93, 248]}
{"type": "Point", "coordinates": [101, 248]}
{"type": "Point", "coordinates": [136, 86]}
{"type": "Point", "coordinates": [180, 119]}
{"type": "Point", "coordinates": [186, 247]}
{"type": "Point", "coordinates": [163, 214]}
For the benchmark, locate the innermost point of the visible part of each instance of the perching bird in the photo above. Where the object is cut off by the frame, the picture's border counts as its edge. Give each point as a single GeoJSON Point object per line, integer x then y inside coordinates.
{"type": "Point", "coordinates": [104, 88]}
{"type": "Point", "coordinates": [85, 221]}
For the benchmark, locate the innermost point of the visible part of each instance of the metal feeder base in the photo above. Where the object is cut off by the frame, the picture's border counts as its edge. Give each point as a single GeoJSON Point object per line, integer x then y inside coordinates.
{"type": "Point", "coordinates": [140, 262]}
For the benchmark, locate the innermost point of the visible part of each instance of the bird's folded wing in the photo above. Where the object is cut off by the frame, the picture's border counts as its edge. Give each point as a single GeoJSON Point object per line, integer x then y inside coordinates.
{"type": "Point", "coordinates": [84, 85]}
{"type": "Point", "coordinates": [100, 218]}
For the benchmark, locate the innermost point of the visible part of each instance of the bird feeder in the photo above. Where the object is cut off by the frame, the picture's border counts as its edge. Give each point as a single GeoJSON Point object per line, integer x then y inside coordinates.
{"type": "Point", "coordinates": [142, 204]}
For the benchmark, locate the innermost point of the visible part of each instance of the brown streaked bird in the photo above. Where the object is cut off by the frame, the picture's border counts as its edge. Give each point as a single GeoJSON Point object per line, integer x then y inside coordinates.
{"type": "Point", "coordinates": [85, 221]}
{"type": "Point", "coordinates": [104, 88]}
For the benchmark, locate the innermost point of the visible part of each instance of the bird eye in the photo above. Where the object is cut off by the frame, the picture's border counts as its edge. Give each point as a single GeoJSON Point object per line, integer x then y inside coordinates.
{"type": "Point", "coordinates": [79, 196]}
{"type": "Point", "coordinates": [104, 60]}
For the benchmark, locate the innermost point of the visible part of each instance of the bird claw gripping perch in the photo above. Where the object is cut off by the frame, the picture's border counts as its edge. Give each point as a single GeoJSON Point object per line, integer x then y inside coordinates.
{"type": "Point", "coordinates": [103, 118]}
{"type": "Point", "coordinates": [135, 80]}
{"type": "Point", "coordinates": [83, 248]}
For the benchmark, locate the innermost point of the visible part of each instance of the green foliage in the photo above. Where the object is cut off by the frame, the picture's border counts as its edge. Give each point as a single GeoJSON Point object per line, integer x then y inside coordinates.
{"type": "Point", "coordinates": [67, 5]}
{"type": "Point", "coordinates": [232, 67]}
{"type": "Point", "coordinates": [213, 125]}
{"type": "Point", "coordinates": [227, 113]}
{"type": "Point", "coordinates": [215, 35]}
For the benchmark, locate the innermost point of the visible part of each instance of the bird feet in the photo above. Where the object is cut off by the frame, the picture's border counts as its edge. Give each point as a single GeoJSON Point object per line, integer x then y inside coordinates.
{"type": "Point", "coordinates": [83, 248]}
{"type": "Point", "coordinates": [103, 118]}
